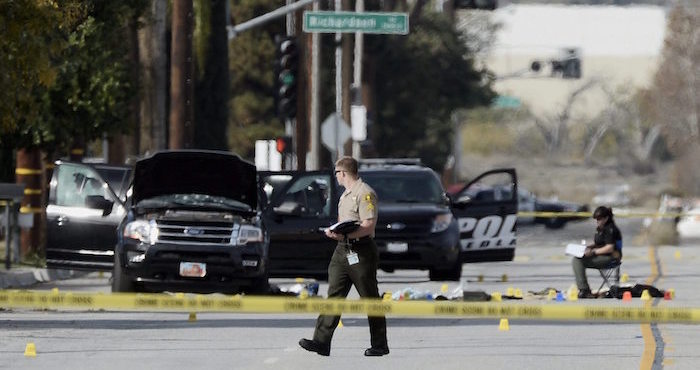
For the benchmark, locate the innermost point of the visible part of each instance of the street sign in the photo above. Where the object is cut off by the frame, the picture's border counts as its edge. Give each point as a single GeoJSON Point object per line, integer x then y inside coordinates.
{"type": "Point", "coordinates": [350, 22]}
{"type": "Point", "coordinates": [328, 133]}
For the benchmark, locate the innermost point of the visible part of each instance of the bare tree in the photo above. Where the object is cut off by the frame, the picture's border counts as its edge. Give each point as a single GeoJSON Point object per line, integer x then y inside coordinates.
{"type": "Point", "coordinates": [555, 128]}
{"type": "Point", "coordinates": [677, 81]}
{"type": "Point", "coordinates": [624, 117]}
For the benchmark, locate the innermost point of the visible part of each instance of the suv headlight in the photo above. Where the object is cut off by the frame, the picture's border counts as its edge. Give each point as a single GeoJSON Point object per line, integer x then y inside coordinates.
{"type": "Point", "coordinates": [249, 234]}
{"type": "Point", "coordinates": [441, 222]}
{"type": "Point", "coordinates": [144, 231]}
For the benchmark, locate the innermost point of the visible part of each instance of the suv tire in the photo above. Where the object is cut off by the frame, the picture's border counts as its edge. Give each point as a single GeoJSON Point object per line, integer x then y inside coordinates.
{"type": "Point", "coordinates": [452, 274]}
{"type": "Point", "coordinates": [259, 286]}
{"type": "Point", "coordinates": [121, 283]}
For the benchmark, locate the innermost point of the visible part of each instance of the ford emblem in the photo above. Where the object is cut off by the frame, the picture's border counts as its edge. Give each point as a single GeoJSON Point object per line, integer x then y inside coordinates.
{"type": "Point", "coordinates": [396, 226]}
{"type": "Point", "coordinates": [193, 231]}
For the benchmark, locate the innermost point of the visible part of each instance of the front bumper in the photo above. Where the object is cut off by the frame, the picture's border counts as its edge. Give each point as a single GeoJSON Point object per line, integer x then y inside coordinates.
{"type": "Point", "coordinates": [228, 268]}
{"type": "Point", "coordinates": [437, 250]}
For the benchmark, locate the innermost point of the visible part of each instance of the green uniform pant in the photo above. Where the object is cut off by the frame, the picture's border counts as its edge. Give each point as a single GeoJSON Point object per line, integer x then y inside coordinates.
{"type": "Point", "coordinates": [341, 277]}
{"type": "Point", "coordinates": [581, 264]}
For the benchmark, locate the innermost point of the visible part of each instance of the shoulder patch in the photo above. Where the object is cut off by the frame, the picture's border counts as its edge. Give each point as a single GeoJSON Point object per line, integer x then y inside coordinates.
{"type": "Point", "coordinates": [371, 202]}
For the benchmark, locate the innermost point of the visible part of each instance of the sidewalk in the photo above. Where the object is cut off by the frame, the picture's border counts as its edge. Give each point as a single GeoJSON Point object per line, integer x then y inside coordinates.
{"type": "Point", "coordinates": [24, 277]}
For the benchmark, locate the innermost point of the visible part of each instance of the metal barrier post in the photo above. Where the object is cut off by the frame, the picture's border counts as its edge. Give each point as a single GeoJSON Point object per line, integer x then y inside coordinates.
{"type": "Point", "coordinates": [12, 194]}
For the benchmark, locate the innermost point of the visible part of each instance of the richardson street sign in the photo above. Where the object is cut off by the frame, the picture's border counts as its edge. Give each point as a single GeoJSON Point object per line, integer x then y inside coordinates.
{"type": "Point", "coordinates": [349, 22]}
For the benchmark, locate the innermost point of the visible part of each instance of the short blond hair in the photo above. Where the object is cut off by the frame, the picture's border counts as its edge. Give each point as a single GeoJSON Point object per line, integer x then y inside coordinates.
{"type": "Point", "coordinates": [348, 164]}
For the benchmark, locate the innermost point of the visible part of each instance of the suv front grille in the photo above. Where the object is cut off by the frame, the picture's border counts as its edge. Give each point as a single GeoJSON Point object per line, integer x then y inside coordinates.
{"type": "Point", "coordinates": [201, 233]}
{"type": "Point", "coordinates": [410, 228]}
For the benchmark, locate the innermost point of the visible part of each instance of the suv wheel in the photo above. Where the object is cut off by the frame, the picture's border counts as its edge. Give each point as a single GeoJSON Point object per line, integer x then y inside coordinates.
{"type": "Point", "coordinates": [120, 281]}
{"type": "Point", "coordinates": [554, 223]}
{"type": "Point", "coordinates": [452, 274]}
{"type": "Point", "coordinates": [258, 286]}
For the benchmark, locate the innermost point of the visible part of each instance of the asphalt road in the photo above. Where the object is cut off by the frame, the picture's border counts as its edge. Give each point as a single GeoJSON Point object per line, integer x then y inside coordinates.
{"type": "Point", "coordinates": [143, 340]}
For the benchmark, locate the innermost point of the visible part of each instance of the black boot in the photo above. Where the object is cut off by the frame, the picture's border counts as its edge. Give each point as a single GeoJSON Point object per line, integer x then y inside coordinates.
{"type": "Point", "coordinates": [313, 346]}
{"type": "Point", "coordinates": [376, 351]}
{"type": "Point", "coordinates": [586, 293]}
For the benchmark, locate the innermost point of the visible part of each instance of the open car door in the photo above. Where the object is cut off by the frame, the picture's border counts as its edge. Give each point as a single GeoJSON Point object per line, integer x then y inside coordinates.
{"type": "Point", "coordinates": [487, 210]}
{"type": "Point", "coordinates": [83, 214]}
{"type": "Point", "coordinates": [299, 204]}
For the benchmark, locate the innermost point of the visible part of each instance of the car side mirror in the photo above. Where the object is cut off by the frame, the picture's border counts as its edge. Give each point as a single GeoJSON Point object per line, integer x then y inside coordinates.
{"type": "Point", "coordinates": [464, 199]}
{"type": "Point", "coordinates": [288, 208]}
{"type": "Point", "coordinates": [447, 198]}
{"type": "Point", "coordinates": [99, 202]}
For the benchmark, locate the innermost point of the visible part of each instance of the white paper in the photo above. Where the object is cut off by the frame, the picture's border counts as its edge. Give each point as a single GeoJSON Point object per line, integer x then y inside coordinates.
{"type": "Point", "coordinates": [575, 250]}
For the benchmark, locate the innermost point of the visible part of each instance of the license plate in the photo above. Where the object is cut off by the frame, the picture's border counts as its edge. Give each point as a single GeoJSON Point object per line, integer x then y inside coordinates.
{"type": "Point", "coordinates": [396, 247]}
{"type": "Point", "coordinates": [193, 269]}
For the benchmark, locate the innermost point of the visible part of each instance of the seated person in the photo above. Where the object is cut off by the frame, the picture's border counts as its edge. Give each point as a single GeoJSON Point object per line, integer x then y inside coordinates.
{"type": "Point", "coordinates": [606, 248]}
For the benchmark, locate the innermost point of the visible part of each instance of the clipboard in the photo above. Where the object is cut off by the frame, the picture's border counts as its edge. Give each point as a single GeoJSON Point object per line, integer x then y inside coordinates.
{"type": "Point", "coordinates": [575, 250]}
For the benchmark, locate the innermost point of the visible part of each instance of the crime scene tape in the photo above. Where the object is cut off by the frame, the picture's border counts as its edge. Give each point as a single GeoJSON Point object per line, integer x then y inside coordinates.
{"type": "Point", "coordinates": [257, 304]}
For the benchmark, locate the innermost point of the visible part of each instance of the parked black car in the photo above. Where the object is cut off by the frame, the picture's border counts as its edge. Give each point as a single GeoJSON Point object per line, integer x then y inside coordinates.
{"type": "Point", "coordinates": [558, 212]}
{"type": "Point", "coordinates": [190, 222]}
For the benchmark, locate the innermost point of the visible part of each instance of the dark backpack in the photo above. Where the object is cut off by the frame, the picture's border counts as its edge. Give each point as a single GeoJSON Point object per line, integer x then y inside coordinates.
{"type": "Point", "coordinates": [636, 291]}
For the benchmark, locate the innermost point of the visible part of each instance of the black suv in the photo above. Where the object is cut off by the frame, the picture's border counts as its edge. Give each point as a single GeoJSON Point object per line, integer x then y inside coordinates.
{"type": "Point", "coordinates": [188, 222]}
{"type": "Point", "coordinates": [419, 226]}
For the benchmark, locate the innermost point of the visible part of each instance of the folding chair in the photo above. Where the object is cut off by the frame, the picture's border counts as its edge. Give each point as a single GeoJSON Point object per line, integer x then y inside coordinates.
{"type": "Point", "coordinates": [612, 270]}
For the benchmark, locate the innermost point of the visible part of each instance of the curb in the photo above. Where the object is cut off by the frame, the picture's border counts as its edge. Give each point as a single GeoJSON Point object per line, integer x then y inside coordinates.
{"type": "Point", "coordinates": [23, 278]}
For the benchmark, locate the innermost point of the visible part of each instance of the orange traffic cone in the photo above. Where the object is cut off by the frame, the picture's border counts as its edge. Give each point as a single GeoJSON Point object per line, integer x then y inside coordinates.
{"type": "Point", "coordinates": [627, 296]}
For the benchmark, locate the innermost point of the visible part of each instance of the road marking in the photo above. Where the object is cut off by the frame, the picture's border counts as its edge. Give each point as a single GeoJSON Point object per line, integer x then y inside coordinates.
{"type": "Point", "coordinates": [653, 354]}
{"type": "Point", "coordinates": [271, 360]}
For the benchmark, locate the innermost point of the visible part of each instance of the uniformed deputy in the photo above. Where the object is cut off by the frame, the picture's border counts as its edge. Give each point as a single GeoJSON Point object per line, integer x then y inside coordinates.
{"type": "Point", "coordinates": [354, 261]}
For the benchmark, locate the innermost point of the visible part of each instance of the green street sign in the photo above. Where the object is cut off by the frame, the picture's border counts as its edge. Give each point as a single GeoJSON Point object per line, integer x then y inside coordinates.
{"type": "Point", "coordinates": [349, 22]}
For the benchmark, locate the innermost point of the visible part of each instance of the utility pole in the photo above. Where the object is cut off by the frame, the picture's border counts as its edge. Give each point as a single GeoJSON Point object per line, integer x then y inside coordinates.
{"type": "Point", "coordinates": [154, 59]}
{"type": "Point", "coordinates": [314, 92]}
{"type": "Point", "coordinates": [29, 173]}
{"type": "Point", "coordinates": [338, 84]}
{"type": "Point", "coordinates": [357, 82]}
{"type": "Point", "coordinates": [182, 76]}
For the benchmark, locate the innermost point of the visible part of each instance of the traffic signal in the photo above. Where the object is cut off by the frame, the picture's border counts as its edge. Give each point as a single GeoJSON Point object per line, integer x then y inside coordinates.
{"type": "Point", "coordinates": [476, 4]}
{"type": "Point", "coordinates": [284, 144]}
{"type": "Point", "coordinates": [286, 74]}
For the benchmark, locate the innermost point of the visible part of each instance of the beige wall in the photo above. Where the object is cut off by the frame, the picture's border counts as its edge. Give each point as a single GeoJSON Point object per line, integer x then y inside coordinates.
{"type": "Point", "coordinates": [546, 95]}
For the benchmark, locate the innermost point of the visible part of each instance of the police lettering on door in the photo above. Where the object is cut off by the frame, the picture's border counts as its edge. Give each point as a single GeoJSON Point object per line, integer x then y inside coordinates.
{"type": "Point", "coordinates": [487, 232]}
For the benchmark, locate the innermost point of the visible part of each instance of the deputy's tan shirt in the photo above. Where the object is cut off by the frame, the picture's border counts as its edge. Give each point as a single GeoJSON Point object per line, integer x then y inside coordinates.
{"type": "Point", "coordinates": [358, 203]}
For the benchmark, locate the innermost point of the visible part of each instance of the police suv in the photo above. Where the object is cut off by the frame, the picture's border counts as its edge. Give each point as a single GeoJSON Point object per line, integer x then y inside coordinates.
{"type": "Point", "coordinates": [419, 226]}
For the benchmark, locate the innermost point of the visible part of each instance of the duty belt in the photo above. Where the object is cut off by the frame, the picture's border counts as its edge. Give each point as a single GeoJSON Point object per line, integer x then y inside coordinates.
{"type": "Point", "coordinates": [363, 239]}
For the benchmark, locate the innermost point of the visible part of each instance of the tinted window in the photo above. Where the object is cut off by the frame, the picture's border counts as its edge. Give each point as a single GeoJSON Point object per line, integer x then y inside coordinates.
{"type": "Point", "coordinates": [312, 192]}
{"type": "Point", "coordinates": [116, 178]}
{"type": "Point", "coordinates": [491, 188]}
{"type": "Point", "coordinates": [76, 183]}
{"type": "Point", "coordinates": [405, 187]}
{"type": "Point", "coordinates": [271, 185]}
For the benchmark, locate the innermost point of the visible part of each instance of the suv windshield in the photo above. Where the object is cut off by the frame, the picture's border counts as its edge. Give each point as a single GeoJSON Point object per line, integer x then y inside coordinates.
{"type": "Point", "coordinates": [405, 187]}
{"type": "Point", "coordinates": [193, 201]}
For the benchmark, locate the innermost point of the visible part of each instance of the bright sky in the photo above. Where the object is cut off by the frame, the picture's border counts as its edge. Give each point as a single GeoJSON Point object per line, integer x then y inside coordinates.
{"type": "Point", "coordinates": [597, 30]}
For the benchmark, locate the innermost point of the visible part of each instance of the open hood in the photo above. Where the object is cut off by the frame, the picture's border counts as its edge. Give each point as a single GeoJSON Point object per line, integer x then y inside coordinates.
{"type": "Point", "coordinates": [195, 172]}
